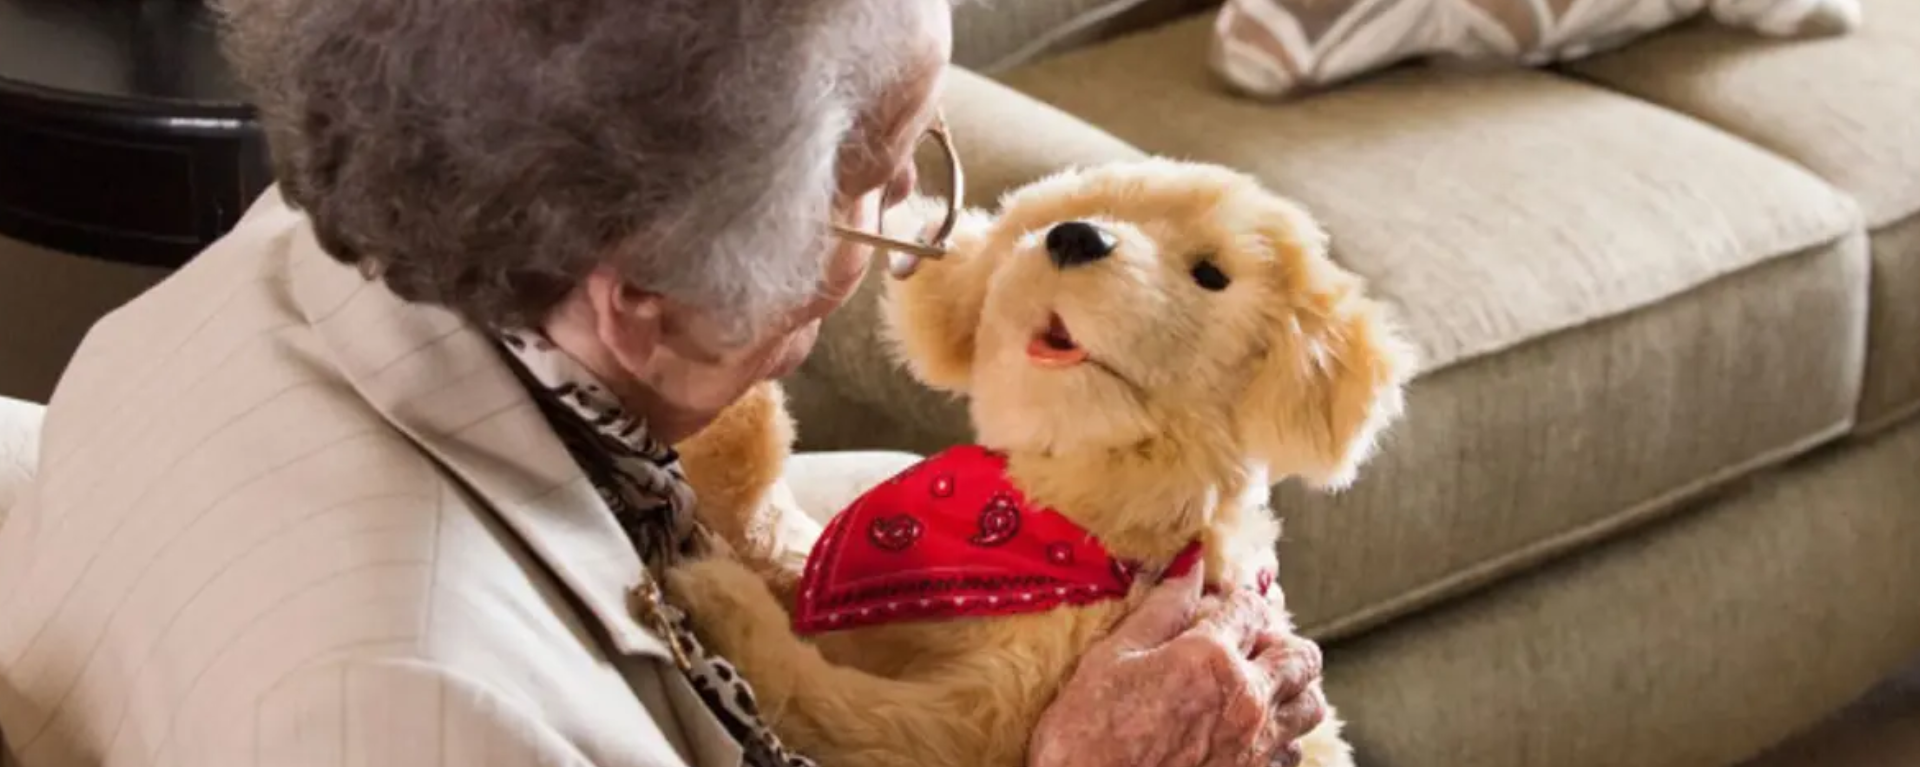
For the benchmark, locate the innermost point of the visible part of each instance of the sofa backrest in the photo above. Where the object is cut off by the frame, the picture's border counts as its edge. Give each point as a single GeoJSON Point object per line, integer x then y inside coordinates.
{"type": "Point", "coordinates": [995, 35]}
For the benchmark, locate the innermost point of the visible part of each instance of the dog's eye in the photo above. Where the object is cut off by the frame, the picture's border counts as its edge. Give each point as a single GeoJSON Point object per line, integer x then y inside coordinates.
{"type": "Point", "coordinates": [1208, 276]}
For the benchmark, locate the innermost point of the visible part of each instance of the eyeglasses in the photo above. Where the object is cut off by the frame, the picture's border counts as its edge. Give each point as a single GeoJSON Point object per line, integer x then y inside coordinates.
{"type": "Point", "coordinates": [936, 247]}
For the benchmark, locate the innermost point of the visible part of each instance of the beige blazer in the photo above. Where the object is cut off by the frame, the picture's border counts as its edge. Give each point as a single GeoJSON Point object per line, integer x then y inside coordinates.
{"type": "Point", "coordinates": [283, 518]}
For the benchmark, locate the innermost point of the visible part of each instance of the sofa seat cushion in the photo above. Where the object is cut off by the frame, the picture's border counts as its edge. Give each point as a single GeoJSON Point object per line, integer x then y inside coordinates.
{"type": "Point", "coordinates": [1619, 306]}
{"type": "Point", "coordinates": [1693, 643]}
{"type": "Point", "coordinates": [1849, 110]}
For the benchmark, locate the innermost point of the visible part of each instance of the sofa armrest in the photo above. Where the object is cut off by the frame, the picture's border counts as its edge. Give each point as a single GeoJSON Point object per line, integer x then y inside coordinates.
{"type": "Point", "coordinates": [1007, 138]}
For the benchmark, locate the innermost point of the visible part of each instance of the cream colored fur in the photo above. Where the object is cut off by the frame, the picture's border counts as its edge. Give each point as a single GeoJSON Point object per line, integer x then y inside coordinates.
{"type": "Point", "coordinates": [1192, 402]}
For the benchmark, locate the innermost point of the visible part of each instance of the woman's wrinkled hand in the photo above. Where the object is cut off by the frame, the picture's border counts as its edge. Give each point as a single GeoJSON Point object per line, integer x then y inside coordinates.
{"type": "Point", "coordinates": [1187, 681]}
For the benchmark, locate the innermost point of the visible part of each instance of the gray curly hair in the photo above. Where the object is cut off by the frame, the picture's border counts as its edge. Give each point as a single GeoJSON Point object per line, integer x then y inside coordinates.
{"type": "Point", "coordinates": [484, 155]}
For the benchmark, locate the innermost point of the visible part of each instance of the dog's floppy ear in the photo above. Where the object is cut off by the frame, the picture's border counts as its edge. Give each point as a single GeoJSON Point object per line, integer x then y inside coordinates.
{"type": "Point", "coordinates": [1334, 368]}
{"type": "Point", "coordinates": [933, 316]}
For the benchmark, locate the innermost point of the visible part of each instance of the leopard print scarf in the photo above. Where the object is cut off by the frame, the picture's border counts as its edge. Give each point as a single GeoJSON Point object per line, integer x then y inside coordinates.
{"type": "Point", "coordinates": [641, 481]}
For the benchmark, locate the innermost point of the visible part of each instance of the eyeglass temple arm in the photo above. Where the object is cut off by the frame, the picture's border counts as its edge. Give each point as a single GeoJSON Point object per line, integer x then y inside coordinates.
{"type": "Point", "coordinates": [888, 243]}
{"type": "Point", "coordinates": [958, 183]}
{"type": "Point", "coordinates": [937, 248]}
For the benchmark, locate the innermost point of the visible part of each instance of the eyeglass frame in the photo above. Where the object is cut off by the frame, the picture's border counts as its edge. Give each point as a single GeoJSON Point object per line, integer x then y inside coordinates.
{"type": "Point", "coordinates": [937, 246]}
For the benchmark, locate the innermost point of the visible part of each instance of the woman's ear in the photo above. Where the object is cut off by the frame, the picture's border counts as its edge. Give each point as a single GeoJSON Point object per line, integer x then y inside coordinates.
{"type": "Point", "coordinates": [625, 324]}
{"type": "Point", "coordinates": [933, 315]}
{"type": "Point", "coordinates": [1333, 375]}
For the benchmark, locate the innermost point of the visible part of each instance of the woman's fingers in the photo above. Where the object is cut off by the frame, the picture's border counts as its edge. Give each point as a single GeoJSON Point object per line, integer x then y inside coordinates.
{"type": "Point", "coordinates": [1301, 715]}
{"type": "Point", "coordinates": [1167, 612]}
{"type": "Point", "coordinates": [1239, 621]}
{"type": "Point", "coordinates": [1292, 666]}
{"type": "Point", "coordinates": [1287, 672]}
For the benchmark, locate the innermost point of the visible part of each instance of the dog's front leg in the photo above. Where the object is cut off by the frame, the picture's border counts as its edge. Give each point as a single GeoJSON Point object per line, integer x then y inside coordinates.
{"type": "Point", "coordinates": [836, 715]}
{"type": "Point", "coordinates": [735, 466]}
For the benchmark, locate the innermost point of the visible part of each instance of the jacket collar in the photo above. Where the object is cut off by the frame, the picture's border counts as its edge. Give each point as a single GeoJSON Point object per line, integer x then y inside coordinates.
{"type": "Point", "coordinates": [443, 384]}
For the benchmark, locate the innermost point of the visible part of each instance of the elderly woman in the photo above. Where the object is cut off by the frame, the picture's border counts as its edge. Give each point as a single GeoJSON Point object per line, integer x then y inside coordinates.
{"type": "Point", "coordinates": [381, 478]}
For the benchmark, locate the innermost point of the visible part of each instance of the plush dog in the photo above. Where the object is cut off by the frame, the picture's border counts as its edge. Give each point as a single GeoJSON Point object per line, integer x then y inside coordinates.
{"type": "Point", "coordinates": [1146, 347]}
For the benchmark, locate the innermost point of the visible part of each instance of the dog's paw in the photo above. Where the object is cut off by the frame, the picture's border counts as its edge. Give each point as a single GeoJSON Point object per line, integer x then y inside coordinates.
{"type": "Point", "coordinates": [727, 602]}
{"type": "Point", "coordinates": [714, 585]}
{"type": "Point", "coordinates": [1325, 747]}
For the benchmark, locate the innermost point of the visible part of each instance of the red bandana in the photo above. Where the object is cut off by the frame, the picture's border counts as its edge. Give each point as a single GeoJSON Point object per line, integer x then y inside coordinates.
{"type": "Point", "coordinates": [952, 538]}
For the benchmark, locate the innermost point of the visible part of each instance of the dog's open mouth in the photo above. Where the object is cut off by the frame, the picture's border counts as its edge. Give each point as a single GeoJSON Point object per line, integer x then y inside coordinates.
{"type": "Point", "coordinates": [1054, 346]}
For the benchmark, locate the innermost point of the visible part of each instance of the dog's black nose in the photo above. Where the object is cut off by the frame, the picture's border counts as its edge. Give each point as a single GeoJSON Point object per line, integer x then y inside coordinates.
{"type": "Point", "coordinates": [1077, 242]}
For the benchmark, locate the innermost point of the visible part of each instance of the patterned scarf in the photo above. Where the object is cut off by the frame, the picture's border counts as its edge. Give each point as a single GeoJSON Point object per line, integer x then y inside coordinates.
{"type": "Point", "coordinates": [641, 481]}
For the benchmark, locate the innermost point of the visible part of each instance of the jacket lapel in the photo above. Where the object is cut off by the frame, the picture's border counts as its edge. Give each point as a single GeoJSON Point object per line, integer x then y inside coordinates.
{"type": "Point", "coordinates": [444, 385]}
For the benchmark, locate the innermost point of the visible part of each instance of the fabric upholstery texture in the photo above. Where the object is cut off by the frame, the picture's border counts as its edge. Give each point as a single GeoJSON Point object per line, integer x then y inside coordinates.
{"type": "Point", "coordinates": [1892, 387]}
{"type": "Point", "coordinates": [1696, 643]}
{"type": "Point", "coordinates": [1513, 460]}
{"type": "Point", "coordinates": [1842, 108]}
{"type": "Point", "coordinates": [1579, 337]}
{"type": "Point", "coordinates": [19, 450]}
{"type": "Point", "coordinates": [1881, 729]}
{"type": "Point", "coordinates": [994, 35]}
{"type": "Point", "coordinates": [1276, 48]}
{"type": "Point", "coordinates": [1007, 138]}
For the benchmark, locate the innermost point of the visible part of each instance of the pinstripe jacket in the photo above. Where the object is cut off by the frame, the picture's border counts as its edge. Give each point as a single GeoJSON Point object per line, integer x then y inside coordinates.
{"type": "Point", "coordinates": [284, 518]}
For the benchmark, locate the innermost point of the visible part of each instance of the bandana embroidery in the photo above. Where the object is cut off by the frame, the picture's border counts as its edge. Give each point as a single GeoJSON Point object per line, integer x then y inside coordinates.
{"type": "Point", "coordinates": [952, 538]}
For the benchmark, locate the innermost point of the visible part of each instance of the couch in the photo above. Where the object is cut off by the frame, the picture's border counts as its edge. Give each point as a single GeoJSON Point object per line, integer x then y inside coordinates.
{"type": "Point", "coordinates": [1657, 499]}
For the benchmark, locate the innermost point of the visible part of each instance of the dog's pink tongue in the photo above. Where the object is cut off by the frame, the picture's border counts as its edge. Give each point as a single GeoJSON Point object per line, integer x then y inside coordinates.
{"type": "Point", "coordinates": [1055, 347]}
{"type": "Point", "coordinates": [1044, 354]}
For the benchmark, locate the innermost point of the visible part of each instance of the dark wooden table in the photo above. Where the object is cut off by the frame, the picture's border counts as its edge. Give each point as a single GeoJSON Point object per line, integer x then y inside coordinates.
{"type": "Point", "coordinates": [122, 134]}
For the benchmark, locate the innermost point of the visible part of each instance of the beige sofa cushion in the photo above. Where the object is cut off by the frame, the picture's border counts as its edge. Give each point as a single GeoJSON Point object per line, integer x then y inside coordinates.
{"type": "Point", "coordinates": [1619, 306]}
{"type": "Point", "coordinates": [1848, 109]}
{"type": "Point", "coordinates": [1892, 389]}
{"type": "Point", "coordinates": [1696, 643]}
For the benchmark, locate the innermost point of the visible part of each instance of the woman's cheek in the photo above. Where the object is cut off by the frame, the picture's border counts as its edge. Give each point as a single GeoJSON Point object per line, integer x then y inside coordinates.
{"type": "Point", "coordinates": [844, 274]}
{"type": "Point", "coordinates": [798, 345]}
